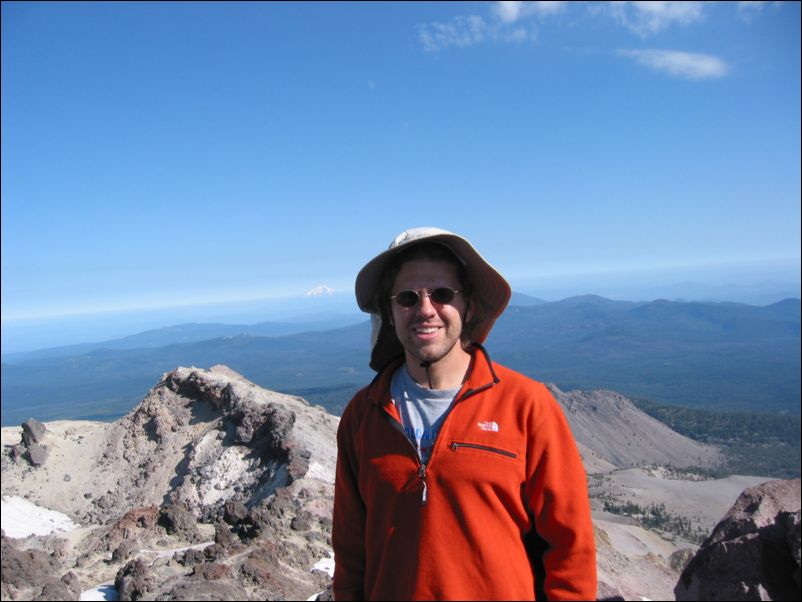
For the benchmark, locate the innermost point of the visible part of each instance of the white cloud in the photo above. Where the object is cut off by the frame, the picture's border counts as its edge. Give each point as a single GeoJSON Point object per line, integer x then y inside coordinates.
{"type": "Point", "coordinates": [509, 12]}
{"type": "Point", "coordinates": [648, 18]}
{"type": "Point", "coordinates": [505, 25]}
{"type": "Point", "coordinates": [680, 64]}
{"type": "Point", "coordinates": [749, 10]}
{"type": "Point", "coordinates": [518, 34]}
{"type": "Point", "coordinates": [460, 31]}
{"type": "Point", "coordinates": [517, 21]}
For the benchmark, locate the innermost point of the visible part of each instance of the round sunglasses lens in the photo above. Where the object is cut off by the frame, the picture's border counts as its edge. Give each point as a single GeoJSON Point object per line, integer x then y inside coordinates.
{"type": "Point", "coordinates": [442, 295]}
{"type": "Point", "coordinates": [407, 298]}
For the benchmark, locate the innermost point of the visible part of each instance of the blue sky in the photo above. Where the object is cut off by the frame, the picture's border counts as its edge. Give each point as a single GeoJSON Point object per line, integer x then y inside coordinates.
{"type": "Point", "coordinates": [161, 154]}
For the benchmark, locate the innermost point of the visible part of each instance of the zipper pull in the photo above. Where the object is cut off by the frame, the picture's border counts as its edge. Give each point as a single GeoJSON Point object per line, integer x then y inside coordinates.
{"type": "Point", "coordinates": [422, 473]}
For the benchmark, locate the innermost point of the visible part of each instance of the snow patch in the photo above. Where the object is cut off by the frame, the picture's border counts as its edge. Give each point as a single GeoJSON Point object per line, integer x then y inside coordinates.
{"type": "Point", "coordinates": [104, 591]}
{"type": "Point", "coordinates": [319, 291]}
{"type": "Point", "coordinates": [21, 518]}
{"type": "Point", "coordinates": [326, 565]}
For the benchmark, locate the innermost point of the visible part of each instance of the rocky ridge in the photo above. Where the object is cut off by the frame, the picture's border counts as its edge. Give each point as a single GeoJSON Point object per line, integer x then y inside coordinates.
{"type": "Point", "coordinates": [208, 460]}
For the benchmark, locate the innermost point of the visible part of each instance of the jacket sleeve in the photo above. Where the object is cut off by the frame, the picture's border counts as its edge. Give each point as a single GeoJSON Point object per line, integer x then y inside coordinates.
{"type": "Point", "coordinates": [557, 495]}
{"type": "Point", "coordinates": [348, 524]}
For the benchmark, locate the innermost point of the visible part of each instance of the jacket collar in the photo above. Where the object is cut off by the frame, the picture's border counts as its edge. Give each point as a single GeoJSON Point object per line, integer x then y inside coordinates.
{"type": "Point", "coordinates": [481, 376]}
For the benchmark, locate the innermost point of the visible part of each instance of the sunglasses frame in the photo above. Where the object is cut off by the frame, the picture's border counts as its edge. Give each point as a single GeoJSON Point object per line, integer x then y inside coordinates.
{"type": "Point", "coordinates": [429, 294]}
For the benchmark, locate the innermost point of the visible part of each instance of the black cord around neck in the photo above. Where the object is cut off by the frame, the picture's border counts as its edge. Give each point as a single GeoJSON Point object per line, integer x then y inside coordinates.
{"type": "Point", "coordinates": [426, 366]}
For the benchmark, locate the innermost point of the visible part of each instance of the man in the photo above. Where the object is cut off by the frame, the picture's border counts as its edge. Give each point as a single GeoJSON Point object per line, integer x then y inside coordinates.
{"type": "Point", "coordinates": [456, 478]}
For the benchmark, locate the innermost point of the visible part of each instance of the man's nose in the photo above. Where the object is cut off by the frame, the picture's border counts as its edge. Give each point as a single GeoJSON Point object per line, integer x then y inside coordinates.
{"type": "Point", "coordinates": [425, 306]}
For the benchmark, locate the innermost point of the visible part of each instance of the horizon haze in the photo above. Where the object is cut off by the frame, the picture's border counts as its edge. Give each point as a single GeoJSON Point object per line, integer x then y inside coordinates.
{"type": "Point", "coordinates": [325, 310]}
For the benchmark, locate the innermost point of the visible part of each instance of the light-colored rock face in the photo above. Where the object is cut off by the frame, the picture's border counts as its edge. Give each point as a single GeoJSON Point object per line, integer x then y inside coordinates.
{"type": "Point", "coordinates": [620, 434]}
{"type": "Point", "coordinates": [199, 440]}
{"type": "Point", "coordinates": [199, 437]}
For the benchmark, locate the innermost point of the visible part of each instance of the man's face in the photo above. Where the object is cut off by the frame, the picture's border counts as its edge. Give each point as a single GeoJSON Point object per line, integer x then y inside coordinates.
{"type": "Point", "coordinates": [428, 331]}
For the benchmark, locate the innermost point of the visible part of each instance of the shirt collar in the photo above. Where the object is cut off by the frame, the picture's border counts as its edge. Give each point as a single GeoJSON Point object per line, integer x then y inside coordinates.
{"type": "Point", "coordinates": [480, 376]}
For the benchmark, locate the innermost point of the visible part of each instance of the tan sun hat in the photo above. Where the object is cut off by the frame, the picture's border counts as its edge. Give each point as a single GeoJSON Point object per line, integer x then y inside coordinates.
{"type": "Point", "coordinates": [490, 294]}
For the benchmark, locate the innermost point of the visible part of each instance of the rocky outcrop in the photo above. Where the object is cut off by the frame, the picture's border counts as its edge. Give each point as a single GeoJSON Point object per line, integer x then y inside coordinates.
{"type": "Point", "coordinates": [32, 447]}
{"type": "Point", "coordinates": [210, 488]}
{"type": "Point", "coordinates": [33, 432]}
{"type": "Point", "coordinates": [753, 553]}
{"type": "Point", "coordinates": [39, 572]}
{"type": "Point", "coordinates": [201, 438]}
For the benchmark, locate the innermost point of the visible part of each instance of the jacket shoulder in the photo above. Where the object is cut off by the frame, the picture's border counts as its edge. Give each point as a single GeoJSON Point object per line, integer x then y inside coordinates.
{"type": "Point", "coordinates": [511, 377]}
{"type": "Point", "coordinates": [355, 410]}
{"type": "Point", "coordinates": [531, 396]}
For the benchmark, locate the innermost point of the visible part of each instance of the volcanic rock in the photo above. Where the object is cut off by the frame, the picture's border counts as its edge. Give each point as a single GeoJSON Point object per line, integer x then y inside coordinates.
{"type": "Point", "coordinates": [33, 432]}
{"type": "Point", "coordinates": [154, 488]}
{"type": "Point", "coordinates": [753, 553]}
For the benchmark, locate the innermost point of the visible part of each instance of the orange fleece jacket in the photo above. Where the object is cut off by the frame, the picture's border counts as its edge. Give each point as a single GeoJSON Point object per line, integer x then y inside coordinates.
{"type": "Point", "coordinates": [504, 467]}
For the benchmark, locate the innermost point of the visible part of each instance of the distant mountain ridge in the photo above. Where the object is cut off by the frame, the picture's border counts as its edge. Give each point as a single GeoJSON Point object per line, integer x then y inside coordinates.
{"type": "Point", "coordinates": [192, 332]}
{"type": "Point", "coordinates": [722, 355]}
{"type": "Point", "coordinates": [525, 300]}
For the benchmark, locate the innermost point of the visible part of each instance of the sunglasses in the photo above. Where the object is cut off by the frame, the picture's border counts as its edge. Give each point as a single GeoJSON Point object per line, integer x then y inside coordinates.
{"type": "Point", "coordinates": [442, 295]}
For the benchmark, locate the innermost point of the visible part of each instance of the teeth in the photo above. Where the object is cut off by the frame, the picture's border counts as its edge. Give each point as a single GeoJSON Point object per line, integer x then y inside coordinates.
{"type": "Point", "coordinates": [426, 330]}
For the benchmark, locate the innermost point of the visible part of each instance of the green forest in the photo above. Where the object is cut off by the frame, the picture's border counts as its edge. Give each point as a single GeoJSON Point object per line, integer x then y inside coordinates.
{"type": "Point", "coordinates": [755, 443]}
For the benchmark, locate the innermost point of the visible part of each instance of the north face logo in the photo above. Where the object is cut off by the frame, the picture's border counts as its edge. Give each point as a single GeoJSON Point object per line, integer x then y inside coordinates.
{"type": "Point", "coordinates": [489, 425]}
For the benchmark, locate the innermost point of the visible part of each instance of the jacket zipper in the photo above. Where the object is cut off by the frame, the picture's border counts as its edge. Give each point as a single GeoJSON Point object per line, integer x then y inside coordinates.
{"type": "Point", "coordinates": [422, 473]}
{"type": "Point", "coordinates": [455, 446]}
{"type": "Point", "coordinates": [421, 465]}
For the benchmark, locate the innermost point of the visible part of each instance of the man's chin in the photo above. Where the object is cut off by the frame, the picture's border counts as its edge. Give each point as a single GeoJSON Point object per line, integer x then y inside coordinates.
{"type": "Point", "coordinates": [426, 358]}
{"type": "Point", "coordinates": [431, 355]}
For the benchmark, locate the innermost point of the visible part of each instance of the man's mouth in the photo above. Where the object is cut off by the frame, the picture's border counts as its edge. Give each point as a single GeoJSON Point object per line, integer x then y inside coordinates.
{"type": "Point", "coordinates": [427, 330]}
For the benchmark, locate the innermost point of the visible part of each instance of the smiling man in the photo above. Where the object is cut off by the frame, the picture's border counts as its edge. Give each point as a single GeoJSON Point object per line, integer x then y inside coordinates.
{"type": "Point", "coordinates": [457, 478]}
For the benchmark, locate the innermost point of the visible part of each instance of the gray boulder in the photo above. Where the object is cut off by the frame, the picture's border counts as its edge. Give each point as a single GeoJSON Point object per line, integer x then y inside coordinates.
{"type": "Point", "coordinates": [753, 553]}
{"type": "Point", "coordinates": [179, 521]}
{"type": "Point", "coordinates": [134, 580]}
{"type": "Point", "coordinates": [32, 447]}
{"type": "Point", "coordinates": [37, 454]}
{"type": "Point", "coordinates": [33, 432]}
